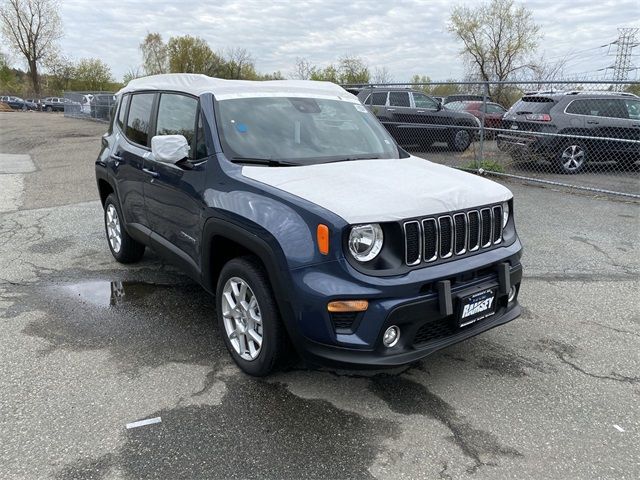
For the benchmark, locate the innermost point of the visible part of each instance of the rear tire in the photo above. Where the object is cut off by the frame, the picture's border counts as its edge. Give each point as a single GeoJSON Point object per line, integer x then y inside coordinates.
{"type": "Point", "coordinates": [123, 248]}
{"type": "Point", "coordinates": [248, 317]}
{"type": "Point", "coordinates": [48, 108]}
{"type": "Point", "coordinates": [572, 158]}
{"type": "Point", "coordinates": [460, 140]}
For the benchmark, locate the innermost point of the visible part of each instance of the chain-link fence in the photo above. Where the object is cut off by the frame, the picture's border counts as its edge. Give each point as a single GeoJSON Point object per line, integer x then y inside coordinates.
{"type": "Point", "coordinates": [584, 135]}
{"type": "Point", "coordinates": [89, 105]}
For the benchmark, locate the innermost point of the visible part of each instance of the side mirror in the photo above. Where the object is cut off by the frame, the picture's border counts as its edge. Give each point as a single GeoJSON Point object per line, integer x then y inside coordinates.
{"type": "Point", "coordinates": [169, 148]}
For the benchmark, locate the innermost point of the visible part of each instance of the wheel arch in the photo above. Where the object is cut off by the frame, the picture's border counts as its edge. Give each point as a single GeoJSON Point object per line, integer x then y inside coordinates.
{"type": "Point", "coordinates": [224, 240]}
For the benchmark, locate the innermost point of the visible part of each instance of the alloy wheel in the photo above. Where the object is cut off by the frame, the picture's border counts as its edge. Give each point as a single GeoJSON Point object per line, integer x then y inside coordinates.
{"type": "Point", "coordinates": [242, 318]}
{"type": "Point", "coordinates": [113, 228]}
{"type": "Point", "coordinates": [572, 158]}
{"type": "Point", "coordinates": [462, 139]}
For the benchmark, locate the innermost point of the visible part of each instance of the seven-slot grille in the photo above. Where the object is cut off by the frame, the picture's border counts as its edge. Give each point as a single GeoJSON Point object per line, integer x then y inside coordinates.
{"type": "Point", "coordinates": [446, 236]}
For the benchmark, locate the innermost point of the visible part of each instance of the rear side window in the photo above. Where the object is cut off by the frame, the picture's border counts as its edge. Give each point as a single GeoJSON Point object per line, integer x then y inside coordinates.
{"type": "Point", "coordinates": [123, 110]}
{"type": "Point", "coordinates": [492, 108]}
{"type": "Point", "coordinates": [377, 98]}
{"type": "Point", "coordinates": [599, 107]}
{"type": "Point", "coordinates": [399, 99]}
{"type": "Point", "coordinates": [139, 118]}
{"type": "Point", "coordinates": [177, 116]}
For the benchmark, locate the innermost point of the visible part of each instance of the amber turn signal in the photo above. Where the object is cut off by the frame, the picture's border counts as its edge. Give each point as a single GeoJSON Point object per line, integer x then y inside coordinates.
{"type": "Point", "coordinates": [348, 306]}
{"type": "Point", "coordinates": [323, 239]}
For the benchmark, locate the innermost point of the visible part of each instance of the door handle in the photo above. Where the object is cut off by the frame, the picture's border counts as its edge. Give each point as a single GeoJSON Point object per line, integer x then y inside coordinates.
{"type": "Point", "coordinates": [420, 111]}
{"type": "Point", "coordinates": [150, 172]}
{"type": "Point", "coordinates": [591, 122]}
{"type": "Point", "coordinates": [391, 109]}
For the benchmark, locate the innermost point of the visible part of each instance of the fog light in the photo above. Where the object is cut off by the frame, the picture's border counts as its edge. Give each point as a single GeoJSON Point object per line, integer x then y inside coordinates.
{"type": "Point", "coordinates": [512, 294]}
{"type": "Point", "coordinates": [391, 336]}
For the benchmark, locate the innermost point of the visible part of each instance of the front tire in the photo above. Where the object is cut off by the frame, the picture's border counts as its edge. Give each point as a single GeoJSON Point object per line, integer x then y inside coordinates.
{"type": "Point", "coordinates": [48, 108]}
{"type": "Point", "coordinates": [123, 248]}
{"type": "Point", "coordinates": [460, 140]}
{"type": "Point", "coordinates": [248, 317]}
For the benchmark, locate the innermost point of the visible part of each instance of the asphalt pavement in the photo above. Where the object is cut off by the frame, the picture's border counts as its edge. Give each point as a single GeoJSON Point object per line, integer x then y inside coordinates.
{"type": "Point", "coordinates": [88, 346]}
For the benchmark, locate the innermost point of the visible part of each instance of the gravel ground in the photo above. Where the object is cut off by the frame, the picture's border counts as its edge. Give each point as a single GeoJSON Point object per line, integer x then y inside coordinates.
{"type": "Point", "coordinates": [88, 346]}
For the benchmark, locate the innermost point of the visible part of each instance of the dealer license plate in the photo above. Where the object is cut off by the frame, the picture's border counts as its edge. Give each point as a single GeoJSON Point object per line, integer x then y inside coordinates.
{"type": "Point", "coordinates": [477, 306]}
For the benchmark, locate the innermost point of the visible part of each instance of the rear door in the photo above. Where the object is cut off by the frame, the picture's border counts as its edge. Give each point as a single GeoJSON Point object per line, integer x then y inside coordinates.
{"type": "Point", "coordinates": [173, 193]}
{"type": "Point", "coordinates": [128, 155]}
{"type": "Point", "coordinates": [607, 119]}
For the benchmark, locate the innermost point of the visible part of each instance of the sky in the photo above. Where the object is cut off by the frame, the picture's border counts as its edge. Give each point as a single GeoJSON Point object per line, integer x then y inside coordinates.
{"type": "Point", "coordinates": [406, 36]}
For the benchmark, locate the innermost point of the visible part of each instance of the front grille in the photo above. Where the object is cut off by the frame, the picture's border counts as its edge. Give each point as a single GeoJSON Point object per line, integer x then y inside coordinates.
{"type": "Point", "coordinates": [444, 237]}
{"type": "Point", "coordinates": [433, 331]}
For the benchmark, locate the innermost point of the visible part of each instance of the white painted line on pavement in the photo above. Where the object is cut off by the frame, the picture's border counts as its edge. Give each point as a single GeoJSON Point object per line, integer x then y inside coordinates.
{"type": "Point", "coordinates": [619, 428]}
{"type": "Point", "coordinates": [142, 423]}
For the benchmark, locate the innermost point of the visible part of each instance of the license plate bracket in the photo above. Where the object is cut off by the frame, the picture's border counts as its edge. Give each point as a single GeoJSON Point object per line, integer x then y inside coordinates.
{"type": "Point", "coordinates": [476, 306]}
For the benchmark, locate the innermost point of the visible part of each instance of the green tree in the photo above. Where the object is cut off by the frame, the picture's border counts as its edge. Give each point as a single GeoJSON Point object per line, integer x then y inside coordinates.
{"type": "Point", "coordinates": [61, 71]}
{"type": "Point", "coordinates": [353, 69]}
{"type": "Point", "coordinates": [92, 74]}
{"type": "Point", "coordinates": [418, 82]}
{"type": "Point", "coordinates": [154, 54]}
{"type": "Point", "coordinates": [31, 28]}
{"type": "Point", "coordinates": [499, 40]}
{"type": "Point", "coordinates": [189, 54]}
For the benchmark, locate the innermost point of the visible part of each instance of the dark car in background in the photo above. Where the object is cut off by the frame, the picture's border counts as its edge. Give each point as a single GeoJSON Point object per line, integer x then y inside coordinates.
{"type": "Point", "coordinates": [18, 103]}
{"type": "Point", "coordinates": [36, 101]}
{"type": "Point", "coordinates": [58, 104]}
{"type": "Point", "coordinates": [414, 118]}
{"type": "Point", "coordinates": [592, 127]}
{"type": "Point", "coordinates": [101, 105]}
{"type": "Point", "coordinates": [489, 114]}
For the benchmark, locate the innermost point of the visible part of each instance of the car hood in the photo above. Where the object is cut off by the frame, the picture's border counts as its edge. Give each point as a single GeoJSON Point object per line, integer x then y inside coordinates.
{"type": "Point", "coordinates": [363, 191]}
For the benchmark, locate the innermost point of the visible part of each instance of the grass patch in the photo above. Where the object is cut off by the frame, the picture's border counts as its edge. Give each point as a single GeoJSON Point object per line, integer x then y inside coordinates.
{"type": "Point", "coordinates": [487, 166]}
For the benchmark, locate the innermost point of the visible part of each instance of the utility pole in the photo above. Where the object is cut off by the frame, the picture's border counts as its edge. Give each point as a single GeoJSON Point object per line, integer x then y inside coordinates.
{"type": "Point", "coordinates": [624, 47]}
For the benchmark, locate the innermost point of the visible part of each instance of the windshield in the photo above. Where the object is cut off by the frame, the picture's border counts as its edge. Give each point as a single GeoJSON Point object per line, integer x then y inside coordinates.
{"type": "Point", "coordinates": [301, 130]}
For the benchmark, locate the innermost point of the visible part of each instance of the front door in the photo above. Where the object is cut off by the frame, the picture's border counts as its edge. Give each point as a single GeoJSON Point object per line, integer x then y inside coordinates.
{"type": "Point", "coordinates": [173, 192]}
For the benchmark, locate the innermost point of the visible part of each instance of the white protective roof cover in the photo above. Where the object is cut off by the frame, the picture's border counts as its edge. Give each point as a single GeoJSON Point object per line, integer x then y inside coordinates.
{"type": "Point", "coordinates": [196, 84]}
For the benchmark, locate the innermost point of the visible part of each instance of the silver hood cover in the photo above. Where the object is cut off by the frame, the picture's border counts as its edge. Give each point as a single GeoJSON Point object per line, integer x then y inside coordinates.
{"type": "Point", "coordinates": [364, 191]}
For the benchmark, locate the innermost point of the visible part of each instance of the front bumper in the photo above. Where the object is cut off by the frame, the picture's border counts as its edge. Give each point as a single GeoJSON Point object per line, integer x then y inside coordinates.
{"type": "Point", "coordinates": [414, 302]}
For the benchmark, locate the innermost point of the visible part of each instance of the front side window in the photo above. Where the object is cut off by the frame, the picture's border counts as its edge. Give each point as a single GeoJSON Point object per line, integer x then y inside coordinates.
{"type": "Point", "coordinates": [493, 108]}
{"type": "Point", "coordinates": [139, 117]}
{"type": "Point", "coordinates": [177, 116]}
{"type": "Point", "coordinates": [633, 108]}
{"type": "Point", "coordinates": [422, 101]}
{"type": "Point", "coordinates": [301, 130]}
{"type": "Point", "coordinates": [399, 99]}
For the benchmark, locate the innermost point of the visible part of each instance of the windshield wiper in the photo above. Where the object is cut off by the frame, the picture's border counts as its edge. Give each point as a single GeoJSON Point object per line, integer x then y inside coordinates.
{"type": "Point", "coordinates": [262, 161]}
{"type": "Point", "coordinates": [356, 157]}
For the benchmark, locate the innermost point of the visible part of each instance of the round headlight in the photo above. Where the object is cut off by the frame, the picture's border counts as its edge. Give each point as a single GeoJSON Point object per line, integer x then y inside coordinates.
{"type": "Point", "coordinates": [505, 214]}
{"type": "Point", "coordinates": [365, 242]}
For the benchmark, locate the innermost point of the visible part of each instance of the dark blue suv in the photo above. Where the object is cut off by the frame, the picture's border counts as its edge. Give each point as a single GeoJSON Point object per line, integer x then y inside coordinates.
{"type": "Point", "coordinates": [291, 203]}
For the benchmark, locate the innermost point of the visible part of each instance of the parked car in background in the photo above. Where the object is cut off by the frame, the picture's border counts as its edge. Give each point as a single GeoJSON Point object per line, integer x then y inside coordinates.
{"type": "Point", "coordinates": [18, 103]}
{"type": "Point", "coordinates": [489, 114]}
{"type": "Point", "coordinates": [101, 105]}
{"type": "Point", "coordinates": [462, 97]}
{"type": "Point", "coordinates": [57, 104]}
{"type": "Point", "coordinates": [601, 122]}
{"type": "Point", "coordinates": [414, 118]}
{"type": "Point", "coordinates": [36, 101]}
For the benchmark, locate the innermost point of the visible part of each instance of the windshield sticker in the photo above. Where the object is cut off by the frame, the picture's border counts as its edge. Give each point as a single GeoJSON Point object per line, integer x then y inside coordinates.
{"type": "Point", "coordinates": [241, 127]}
{"type": "Point", "coordinates": [360, 108]}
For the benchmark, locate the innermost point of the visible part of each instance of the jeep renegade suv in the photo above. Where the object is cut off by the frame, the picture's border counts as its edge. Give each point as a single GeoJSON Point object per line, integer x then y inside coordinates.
{"type": "Point", "coordinates": [290, 203]}
{"type": "Point", "coordinates": [572, 129]}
